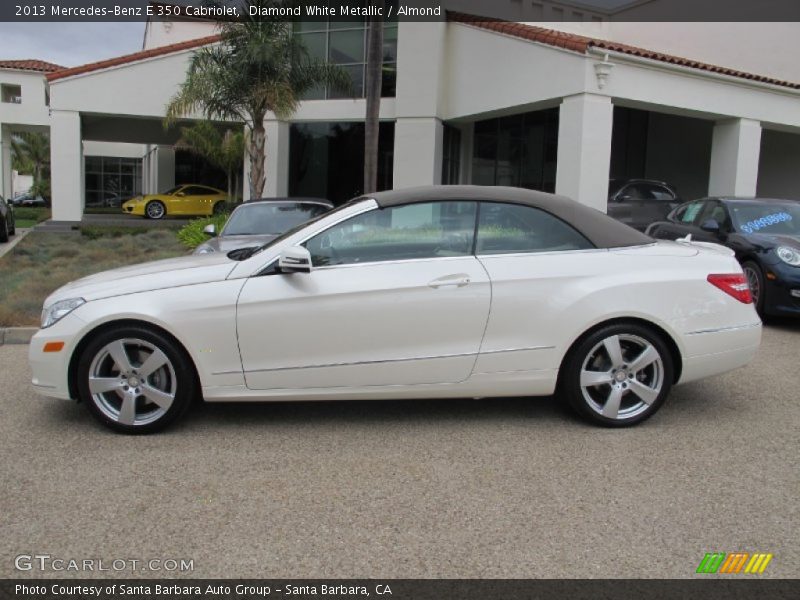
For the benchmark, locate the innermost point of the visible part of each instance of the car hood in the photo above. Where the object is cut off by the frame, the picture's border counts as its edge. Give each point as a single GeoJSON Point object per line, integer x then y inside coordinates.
{"type": "Point", "coordinates": [161, 274]}
{"type": "Point", "coordinates": [774, 240]}
{"type": "Point", "coordinates": [226, 243]}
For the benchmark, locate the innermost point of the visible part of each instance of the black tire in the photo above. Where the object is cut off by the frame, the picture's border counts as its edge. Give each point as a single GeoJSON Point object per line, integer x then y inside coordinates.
{"type": "Point", "coordinates": [155, 209]}
{"type": "Point", "coordinates": [176, 378]}
{"type": "Point", "coordinates": [594, 402]}
{"type": "Point", "coordinates": [219, 208]}
{"type": "Point", "coordinates": [3, 230]}
{"type": "Point", "coordinates": [13, 230]}
{"type": "Point", "coordinates": [756, 281]}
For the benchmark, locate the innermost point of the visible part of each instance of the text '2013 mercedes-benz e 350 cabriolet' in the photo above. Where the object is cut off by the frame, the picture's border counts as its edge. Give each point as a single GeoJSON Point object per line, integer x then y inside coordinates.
{"type": "Point", "coordinates": [434, 292]}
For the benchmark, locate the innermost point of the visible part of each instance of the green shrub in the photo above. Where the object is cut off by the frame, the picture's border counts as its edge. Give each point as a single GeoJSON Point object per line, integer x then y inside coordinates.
{"type": "Point", "coordinates": [31, 213]}
{"type": "Point", "coordinates": [191, 235]}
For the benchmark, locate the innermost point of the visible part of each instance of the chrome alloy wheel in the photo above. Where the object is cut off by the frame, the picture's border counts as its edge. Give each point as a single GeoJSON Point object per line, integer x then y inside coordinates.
{"type": "Point", "coordinates": [622, 376]}
{"type": "Point", "coordinates": [753, 281]}
{"type": "Point", "coordinates": [132, 382]}
{"type": "Point", "coordinates": [155, 210]}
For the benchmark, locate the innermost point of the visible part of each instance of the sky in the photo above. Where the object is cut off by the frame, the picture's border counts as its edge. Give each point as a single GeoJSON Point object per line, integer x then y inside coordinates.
{"type": "Point", "coordinates": [69, 44]}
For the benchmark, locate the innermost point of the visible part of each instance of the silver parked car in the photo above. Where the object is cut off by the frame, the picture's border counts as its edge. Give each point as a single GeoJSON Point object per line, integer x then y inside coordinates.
{"type": "Point", "coordinates": [257, 222]}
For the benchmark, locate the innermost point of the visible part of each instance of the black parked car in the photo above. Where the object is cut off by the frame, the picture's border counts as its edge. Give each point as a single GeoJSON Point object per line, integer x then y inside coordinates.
{"type": "Point", "coordinates": [764, 233]}
{"type": "Point", "coordinates": [639, 202]}
{"type": "Point", "coordinates": [7, 227]}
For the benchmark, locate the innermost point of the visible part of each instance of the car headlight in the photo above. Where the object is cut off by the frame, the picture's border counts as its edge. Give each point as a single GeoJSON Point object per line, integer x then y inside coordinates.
{"type": "Point", "coordinates": [788, 255]}
{"type": "Point", "coordinates": [58, 310]}
{"type": "Point", "coordinates": [204, 250]}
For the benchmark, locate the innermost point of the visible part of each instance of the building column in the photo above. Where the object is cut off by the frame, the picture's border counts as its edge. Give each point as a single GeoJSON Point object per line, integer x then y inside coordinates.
{"type": "Point", "coordinates": [735, 150]}
{"type": "Point", "coordinates": [66, 165]}
{"type": "Point", "coordinates": [417, 152]}
{"type": "Point", "coordinates": [276, 161]}
{"type": "Point", "coordinates": [165, 169]}
{"type": "Point", "coordinates": [584, 149]}
{"type": "Point", "coordinates": [6, 179]}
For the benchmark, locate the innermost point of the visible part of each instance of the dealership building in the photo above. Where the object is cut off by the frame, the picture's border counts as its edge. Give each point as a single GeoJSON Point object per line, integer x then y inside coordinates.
{"type": "Point", "coordinates": [556, 105]}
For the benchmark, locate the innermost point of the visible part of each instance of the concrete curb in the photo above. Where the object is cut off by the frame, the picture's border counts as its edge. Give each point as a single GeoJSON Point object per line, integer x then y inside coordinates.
{"type": "Point", "coordinates": [16, 335]}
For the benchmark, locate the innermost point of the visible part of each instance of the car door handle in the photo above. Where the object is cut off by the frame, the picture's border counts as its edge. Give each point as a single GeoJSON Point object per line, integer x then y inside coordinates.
{"type": "Point", "coordinates": [450, 280]}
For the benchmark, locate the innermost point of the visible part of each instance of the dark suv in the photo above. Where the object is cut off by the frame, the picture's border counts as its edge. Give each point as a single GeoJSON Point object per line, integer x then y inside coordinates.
{"type": "Point", "coordinates": [640, 202]}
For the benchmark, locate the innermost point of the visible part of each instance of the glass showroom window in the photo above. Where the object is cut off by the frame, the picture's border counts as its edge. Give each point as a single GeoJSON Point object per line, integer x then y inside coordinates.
{"type": "Point", "coordinates": [111, 180]}
{"type": "Point", "coordinates": [345, 43]}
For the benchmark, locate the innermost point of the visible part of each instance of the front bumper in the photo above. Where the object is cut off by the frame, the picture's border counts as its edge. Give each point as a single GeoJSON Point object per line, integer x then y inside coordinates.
{"type": "Point", "coordinates": [783, 292]}
{"type": "Point", "coordinates": [51, 369]}
{"type": "Point", "coordinates": [133, 208]}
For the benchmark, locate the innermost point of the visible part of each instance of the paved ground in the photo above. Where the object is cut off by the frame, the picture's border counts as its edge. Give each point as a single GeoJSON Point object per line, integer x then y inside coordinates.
{"type": "Point", "coordinates": [6, 247]}
{"type": "Point", "coordinates": [511, 488]}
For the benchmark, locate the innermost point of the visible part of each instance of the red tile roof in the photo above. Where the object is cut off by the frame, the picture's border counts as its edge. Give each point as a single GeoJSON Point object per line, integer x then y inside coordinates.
{"type": "Point", "coordinates": [580, 43]}
{"type": "Point", "coordinates": [130, 58]}
{"type": "Point", "coordinates": [30, 65]}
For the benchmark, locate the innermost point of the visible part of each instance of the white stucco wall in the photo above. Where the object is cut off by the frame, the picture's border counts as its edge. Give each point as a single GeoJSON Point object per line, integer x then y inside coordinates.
{"type": "Point", "coordinates": [33, 109]}
{"type": "Point", "coordinates": [118, 149]}
{"type": "Point", "coordinates": [725, 44]}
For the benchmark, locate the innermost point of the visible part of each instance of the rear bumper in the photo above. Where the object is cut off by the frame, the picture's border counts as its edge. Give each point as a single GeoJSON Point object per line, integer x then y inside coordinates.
{"type": "Point", "coordinates": [713, 352]}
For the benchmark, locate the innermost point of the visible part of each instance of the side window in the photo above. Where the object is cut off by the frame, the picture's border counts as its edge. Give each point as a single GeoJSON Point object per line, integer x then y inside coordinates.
{"type": "Point", "coordinates": [425, 230]}
{"type": "Point", "coordinates": [659, 192]}
{"type": "Point", "coordinates": [513, 228]}
{"type": "Point", "coordinates": [195, 190]}
{"type": "Point", "coordinates": [687, 213]}
{"type": "Point", "coordinates": [715, 210]}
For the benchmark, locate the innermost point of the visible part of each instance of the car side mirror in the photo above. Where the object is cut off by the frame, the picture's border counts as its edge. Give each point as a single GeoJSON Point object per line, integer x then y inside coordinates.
{"type": "Point", "coordinates": [711, 226]}
{"type": "Point", "coordinates": [625, 198]}
{"type": "Point", "coordinates": [210, 229]}
{"type": "Point", "coordinates": [295, 259]}
{"type": "Point", "coordinates": [180, 194]}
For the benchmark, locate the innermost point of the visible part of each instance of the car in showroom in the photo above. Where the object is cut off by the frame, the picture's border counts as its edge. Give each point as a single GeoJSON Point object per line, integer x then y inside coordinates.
{"type": "Point", "coordinates": [257, 222]}
{"type": "Point", "coordinates": [7, 226]}
{"type": "Point", "coordinates": [182, 200]}
{"type": "Point", "coordinates": [764, 233]}
{"type": "Point", "coordinates": [431, 292]}
{"type": "Point", "coordinates": [640, 202]}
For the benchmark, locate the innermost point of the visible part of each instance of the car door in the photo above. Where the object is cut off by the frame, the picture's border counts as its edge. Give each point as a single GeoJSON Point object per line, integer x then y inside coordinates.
{"type": "Point", "coordinates": [395, 297]}
{"type": "Point", "coordinates": [656, 203]}
{"type": "Point", "coordinates": [533, 258]}
{"type": "Point", "coordinates": [681, 222]}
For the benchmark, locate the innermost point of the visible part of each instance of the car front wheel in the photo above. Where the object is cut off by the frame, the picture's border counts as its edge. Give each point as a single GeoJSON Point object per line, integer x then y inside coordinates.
{"type": "Point", "coordinates": [155, 210]}
{"type": "Point", "coordinates": [755, 279]}
{"type": "Point", "coordinates": [135, 380]}
{"type": "Point", "coordinates": [618, 376]}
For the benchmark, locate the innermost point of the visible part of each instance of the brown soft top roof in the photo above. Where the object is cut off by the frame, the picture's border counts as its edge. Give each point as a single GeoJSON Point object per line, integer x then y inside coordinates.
{"type": "Point", "coordinates": [597, 227]}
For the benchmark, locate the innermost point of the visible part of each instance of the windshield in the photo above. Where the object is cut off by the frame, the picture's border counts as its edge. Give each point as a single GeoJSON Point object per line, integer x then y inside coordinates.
{"type": "Point", "coordinates": [289, 233]}
{"type": "Point", "coordinates": [268, 218]}
{"type": "Point", "coordinates": [781, 218]}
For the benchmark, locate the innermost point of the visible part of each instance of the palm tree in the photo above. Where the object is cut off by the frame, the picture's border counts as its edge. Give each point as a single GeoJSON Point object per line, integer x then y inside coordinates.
{"type": "Point", "coordinates": [31, 154]}
{"type": "Point", "coordinates": [224, 150]}
{"type": "Point", "coordinates": [373, 84]}
{"type": "Point", "coordinates": [258, 67]}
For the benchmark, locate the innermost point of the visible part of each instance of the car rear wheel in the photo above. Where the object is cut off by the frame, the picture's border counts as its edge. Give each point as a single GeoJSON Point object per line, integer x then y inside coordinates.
{"type": "Point", "coordinates": [3, 230]}
{"type": "Point", "coordinates": [135, 380]}
{"type": "Point", "coordinates": [219, 208]}
{"type": "Point", "coordinates": [755, 279]}
{"type": "Point", "coordinates": [618, 376]}
{"type": "Point", "coordinates": [155, 210]}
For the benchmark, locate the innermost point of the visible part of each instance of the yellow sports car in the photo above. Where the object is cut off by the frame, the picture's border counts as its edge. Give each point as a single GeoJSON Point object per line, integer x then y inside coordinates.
{"type": "Point", "coordinates": [187, 199]}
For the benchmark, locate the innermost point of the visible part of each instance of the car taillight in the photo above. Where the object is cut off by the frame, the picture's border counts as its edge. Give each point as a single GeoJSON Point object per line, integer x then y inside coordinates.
{"type": "Point", "coordinates": [733, 284]}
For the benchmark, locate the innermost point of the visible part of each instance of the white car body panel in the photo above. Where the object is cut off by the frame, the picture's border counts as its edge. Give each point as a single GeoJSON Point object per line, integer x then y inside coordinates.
{"type": "Point", "coordinates": [502, 328]}
{"type": "Point", "coordinates": [331, 326]}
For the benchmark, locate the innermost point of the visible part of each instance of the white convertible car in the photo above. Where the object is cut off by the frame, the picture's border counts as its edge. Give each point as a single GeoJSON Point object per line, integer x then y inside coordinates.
{"type": "Point", "coordinates": [434, 292]}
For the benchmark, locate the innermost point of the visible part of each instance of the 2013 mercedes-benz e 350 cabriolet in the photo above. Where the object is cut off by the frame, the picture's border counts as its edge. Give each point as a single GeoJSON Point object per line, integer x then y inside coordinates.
{"type": "Point", "coordinates": [435, 292]}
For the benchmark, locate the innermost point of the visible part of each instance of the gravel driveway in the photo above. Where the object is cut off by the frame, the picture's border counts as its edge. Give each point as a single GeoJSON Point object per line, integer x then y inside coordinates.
{"type": "Point", "coordinates": [490, 488]}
